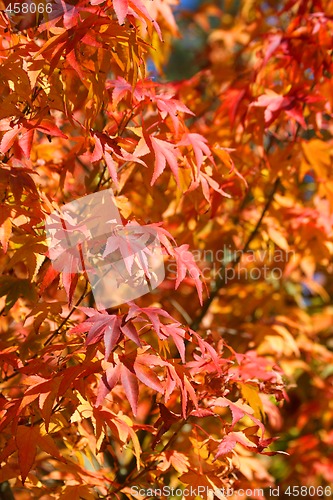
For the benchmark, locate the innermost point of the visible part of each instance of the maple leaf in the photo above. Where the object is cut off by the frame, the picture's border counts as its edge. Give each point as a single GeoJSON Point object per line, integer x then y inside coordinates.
{"type": "Point", "coordinates": [139, 368]}
{"type": "Point", "coordinates": [251, 396]}
{"type": "Point", "coordinates": [69, 261]}
{"type": "Point", "coordinates": [30, 250]}
{"type": "Point", "coordinates": [124, 8]}
{"type": "Point", "coordinates": [230, 441]}
{"type": "Point", "coordinates": [153, 314]}
{"type": "Point", "coordinates": [174, 459]}
{"type": "Point", "coordinates": [104, 146]}
{"type": "Point", "coordinates": [165, 152]}
{"type": "Point", "coordinates": [69, 280]}
{"type": "Point", "coordinates": [177, 333]}
{"type": "Point", "coordinates": [71, 492]}
{"type": "Point", "coordinates": [209, 356]}
{"type": "Point", "coordinates": [5, 233]}
{"type": "Point", "coordinates": [274, 41]}
{"type": "Point", "coordinates": [46, 390]}
{"type": "Point", "coordinates": [238, 411]}
{"type": "Point", "coordinates": [26, 442]}
{"type": "Point", "coordinates": [145, 374]}
{"type": "Point", "coordinates": [132, 242]}
{"type": "Point", "coordinates": [164, 422]}
{"type": "Point", "coordinates": [46, 400]}
{"type": "Point", "coordinates": [14, 288]}
{"type": "Point", "coordinates": [27, 439]}
{"type": "Point", "coordinates": [131, 386]}
{"type": "Point", "coordinates": [18, 177]}
{"type": "Point", "coordinates": [207, 184]}
{"type": "Point", "coordinates": [196, 480]}
{"type": "Point", "coordinates": [121, 7]}
{"type": "Point", "coordinates": [128, 380]}
{"type": "Point", "coordinates": [164, 237]}
{"type": "Point", "coordinates": [164, 331]}
{"type": "Point", "coordinates": [252, 366]}
{"type": "Point", "coordinates": [185, 262]}
{"type": "Point", "coordinates": [122, 87]}
{"type": "Point", "coordinates": [108, 382]}
{"type": "Point", "coordinates": [110, 327]}
{"type": "Point", "coordinates": [24, 132]}
{"type": "Point", "coordinates": [200, 148]}
{"type": "Point", "coordinates": [169, 106]}
{"type": "Point", "coordinates": [275, 103]}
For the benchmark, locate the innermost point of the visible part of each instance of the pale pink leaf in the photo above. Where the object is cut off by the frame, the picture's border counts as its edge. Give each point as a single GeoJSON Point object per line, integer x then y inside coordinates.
{"type": "Point", "coordinates": [185, 262]}
{"type": "Point", "coordinates": [121, 9]}
{"type": "Point", "coordinates": [131, 387]}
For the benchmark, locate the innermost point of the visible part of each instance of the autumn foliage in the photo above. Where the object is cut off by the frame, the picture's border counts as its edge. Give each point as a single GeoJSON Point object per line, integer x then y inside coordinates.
{"type": "Point", "coordinates": [222, 376]}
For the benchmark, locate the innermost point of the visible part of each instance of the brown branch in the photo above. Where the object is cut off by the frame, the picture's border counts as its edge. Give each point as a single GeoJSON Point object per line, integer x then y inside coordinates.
{"type": "Point", "coordinates": [220, 280]}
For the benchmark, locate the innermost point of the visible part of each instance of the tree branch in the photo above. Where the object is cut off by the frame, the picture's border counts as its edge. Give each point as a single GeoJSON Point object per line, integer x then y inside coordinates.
{"type": "Point", "coordinates": [220, 280]}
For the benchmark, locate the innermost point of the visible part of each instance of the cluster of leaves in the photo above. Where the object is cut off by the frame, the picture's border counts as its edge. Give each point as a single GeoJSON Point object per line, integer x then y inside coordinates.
{"type": "Point", "coordinates": [187, 384]}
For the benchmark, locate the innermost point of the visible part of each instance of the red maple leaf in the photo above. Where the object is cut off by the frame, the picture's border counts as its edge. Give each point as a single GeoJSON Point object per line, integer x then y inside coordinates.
{"type": "Point", "coordinates": [185, 262]}
{"type": "Point", "coordinates": [165, 152]}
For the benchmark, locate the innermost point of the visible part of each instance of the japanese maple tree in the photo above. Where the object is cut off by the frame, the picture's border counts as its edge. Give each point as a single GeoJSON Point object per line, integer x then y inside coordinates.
{"type": "Point", "coordinates": [222, 376]}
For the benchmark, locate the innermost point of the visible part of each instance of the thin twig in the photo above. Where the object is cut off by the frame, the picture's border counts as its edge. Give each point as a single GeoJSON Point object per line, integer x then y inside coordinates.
{"type": "Point", "coordinates": [64, 321]}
